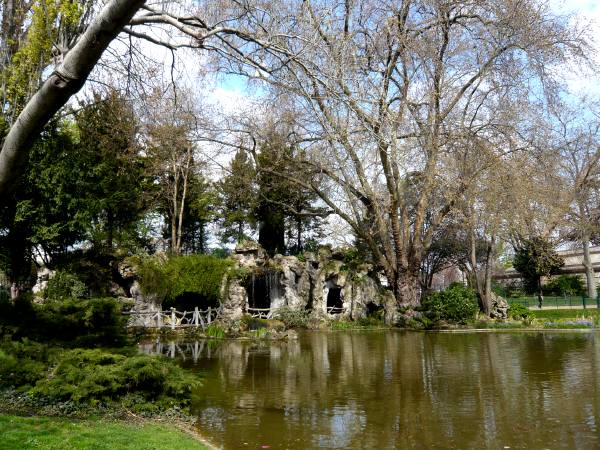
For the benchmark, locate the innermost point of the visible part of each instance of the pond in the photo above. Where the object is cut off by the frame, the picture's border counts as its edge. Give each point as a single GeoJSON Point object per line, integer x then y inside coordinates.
{"type": "Point", "coordinates": [394, 389]}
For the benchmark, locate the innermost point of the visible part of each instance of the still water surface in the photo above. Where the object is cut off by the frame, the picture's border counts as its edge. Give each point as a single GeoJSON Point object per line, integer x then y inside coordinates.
{"type": "Point", "coordinates": [394, 389]}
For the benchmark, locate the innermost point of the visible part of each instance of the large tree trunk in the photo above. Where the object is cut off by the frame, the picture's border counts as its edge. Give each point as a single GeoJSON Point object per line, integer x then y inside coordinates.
{"type": "Point", "coordinates": [407, 289]}
{"type": "Point", "coordinates": [66, 80]}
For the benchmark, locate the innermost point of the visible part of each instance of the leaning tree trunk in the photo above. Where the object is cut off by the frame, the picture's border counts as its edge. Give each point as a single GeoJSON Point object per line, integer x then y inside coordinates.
{"type": "Point", "coordinates": [66, 80]}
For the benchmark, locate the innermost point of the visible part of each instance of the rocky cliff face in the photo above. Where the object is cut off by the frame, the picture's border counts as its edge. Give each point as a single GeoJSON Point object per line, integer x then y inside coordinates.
{"type": "Point", "coordinates": [321, 283]}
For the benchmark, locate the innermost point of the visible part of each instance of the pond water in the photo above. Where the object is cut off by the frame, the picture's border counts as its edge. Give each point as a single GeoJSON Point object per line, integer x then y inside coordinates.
{"type": "Point", "coordinates": [394, 389]}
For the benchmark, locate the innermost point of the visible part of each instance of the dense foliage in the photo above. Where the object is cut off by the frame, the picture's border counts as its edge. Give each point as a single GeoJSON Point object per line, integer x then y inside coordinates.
{"type": "Point", "coordinates": [90, 376]}
{"type": "Point", "coordinates": [97, 375]}
{"type": "Point", "coordinates": [72, 322]}
{"type": "Point", "coordinates": [565, 285]}
{"type": "Point", "coordinates": [457, 304]}
{"type": "Point", "coordinates": [170, 278]}
{"type": "Point", "coordinates": [536, 258]}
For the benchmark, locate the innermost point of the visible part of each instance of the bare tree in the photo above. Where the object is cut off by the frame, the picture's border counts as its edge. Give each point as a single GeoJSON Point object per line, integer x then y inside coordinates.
{"type": "Point", "coordinates": [386, 89]}
{"type": "Point", "coordinates": [169, 124]}
{"type": "Point", "coordinates": [577, 145]}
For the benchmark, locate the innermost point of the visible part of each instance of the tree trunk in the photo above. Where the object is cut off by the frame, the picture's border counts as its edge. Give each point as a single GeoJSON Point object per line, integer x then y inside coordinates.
{"type": "Point", "coordinates": [66, 80]}
{"type": "Point", "coordinates": [486, 295]}
{"type": "Point", "coordinates": [540, 293]}
{"type": "Point", "coordinates": [589, 268]}
{"type": "Point", "coordinates": [407, 290]}
{"type": "Point", "coordinates": [299, 231]}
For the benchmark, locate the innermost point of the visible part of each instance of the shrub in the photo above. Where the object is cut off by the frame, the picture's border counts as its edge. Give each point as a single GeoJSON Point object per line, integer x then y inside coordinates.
{"type": "Point", "coordinates": [73, 322]}
{"type": "Point", "coordinates": [91, 376]}
{"type": "Point", "coordinates": [65, 285]}
{"type": "Point", "coordinates": [292, 318]}
{"type": "Point", "coordinates": [22, 363]}
{"type": "Point", "coordinates": [215, 330]}
{"type": "Point", "coordinates": [456, 304]}
{"type": "Point", "coordinates": [341, 325]}
{"type": "Point", "coordinates": [565, 285]}
{"type": "Point", "coordinates": [518, 312]}
{"type": "Point", "coordinates": [175, 276]}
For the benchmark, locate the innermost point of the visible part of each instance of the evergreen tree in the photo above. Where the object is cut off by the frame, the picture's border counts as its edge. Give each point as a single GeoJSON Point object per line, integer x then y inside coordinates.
{"type": "Point", "coordinates": [285, 207]}
{"type": "Point", "coordinates": [536, 258]}
{"type": "Point", "coordinates": [237, 198]}
{"type": "Point", "coordinates": [117, 178]}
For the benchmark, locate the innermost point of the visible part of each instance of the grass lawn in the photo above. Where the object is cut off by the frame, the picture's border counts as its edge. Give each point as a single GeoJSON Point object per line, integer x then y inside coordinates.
{"type": "Point", "coordinates": [564, 313]}
{"type": "Point", "coordinates": [56, 433]}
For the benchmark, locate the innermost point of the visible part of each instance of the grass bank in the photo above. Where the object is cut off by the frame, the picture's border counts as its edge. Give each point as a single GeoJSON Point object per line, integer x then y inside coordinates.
{"type": "Point", "coordinates": [57, 433]}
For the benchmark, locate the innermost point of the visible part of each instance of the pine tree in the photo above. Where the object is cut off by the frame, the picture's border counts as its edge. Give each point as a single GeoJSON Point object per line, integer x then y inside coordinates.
{"type": "Point", "coordinates": [237, 198]}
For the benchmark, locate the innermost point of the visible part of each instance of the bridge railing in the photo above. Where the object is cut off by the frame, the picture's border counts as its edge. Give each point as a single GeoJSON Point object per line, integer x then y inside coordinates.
{"type": "Point", "coordinates": [261, 313]}
{"type": "Point", "coordinates": [181, 319]}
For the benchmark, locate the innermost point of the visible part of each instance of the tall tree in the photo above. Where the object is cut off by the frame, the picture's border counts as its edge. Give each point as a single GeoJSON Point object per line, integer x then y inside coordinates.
{"type": "Point", "coordinates": [238, 196]}
{"type": "Point", "coordinates": [108, 140]}
{"type": "Point", "coordinates": [387, 88]}
{"type": "Point", "coordinates": [576, 141]}
{"type": "Point", "coordinates": [169, 124]}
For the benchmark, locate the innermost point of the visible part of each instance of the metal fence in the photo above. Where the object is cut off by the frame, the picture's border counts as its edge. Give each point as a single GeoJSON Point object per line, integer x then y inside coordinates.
{"type": "Point", "coordinates": [550, 302]}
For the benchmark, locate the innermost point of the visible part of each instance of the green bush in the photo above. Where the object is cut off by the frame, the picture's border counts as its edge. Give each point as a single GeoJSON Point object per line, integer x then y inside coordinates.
{"type": "Point", "coordinates": [22, 363]}
{"type": "Point", "coordinates": [518, 312]}
{"type": "Point", "coordinates": [215, 330]}
{"type": "Point", "coordinates": [65, 285]}
{"type": "Point", "coordinates": [83, 322]}
{"type": "Point", "coordinates": [91, 376]}
{"type": "Point", "coordinates": [292, 318]}
{"type": "Point", "coordinates": [178, 275]}
{"type": "Point", "coordinates": [457, 304]}
{"type": "Point", "coordinates": [565, 285]}
{"type": "Point", "coordinates": [342, 325]}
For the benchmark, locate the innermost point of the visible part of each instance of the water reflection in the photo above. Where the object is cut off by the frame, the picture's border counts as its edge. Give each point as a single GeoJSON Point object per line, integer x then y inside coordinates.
{"type": "Point", "coordinates": [399, 390]}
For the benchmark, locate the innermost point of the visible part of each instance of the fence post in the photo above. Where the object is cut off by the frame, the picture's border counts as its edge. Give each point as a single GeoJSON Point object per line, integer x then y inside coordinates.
{"type": "Point", "coordinates": [209, 314]}
{"type": "Point", "coordinates": [196, 316]}
{"type": "Point", "coordinates": [172, 318]}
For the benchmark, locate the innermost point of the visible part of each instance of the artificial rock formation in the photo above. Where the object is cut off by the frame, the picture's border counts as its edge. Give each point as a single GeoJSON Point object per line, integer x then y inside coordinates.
{"type": "Point", "coordinates": [320, 283]}
{"type": "Point", "coordinates": [499, 308]}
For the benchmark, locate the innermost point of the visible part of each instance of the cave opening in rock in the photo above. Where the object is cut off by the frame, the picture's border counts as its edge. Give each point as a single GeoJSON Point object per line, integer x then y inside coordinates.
{"type": "Point", "coordinates": [372, 309]}
{"type": "Point", "coordinates": [258, 288]}
{"type": "Point", "coordinates": [190, 300]}
{"type": "Point", "coordinates": [334, 298]}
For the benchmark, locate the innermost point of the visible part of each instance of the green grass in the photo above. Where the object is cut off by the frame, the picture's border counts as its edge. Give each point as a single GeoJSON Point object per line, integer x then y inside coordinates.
{"type": "Point", "coordinates": [53, 433]}
{"type": "Point", "coordinates": [564, 313]}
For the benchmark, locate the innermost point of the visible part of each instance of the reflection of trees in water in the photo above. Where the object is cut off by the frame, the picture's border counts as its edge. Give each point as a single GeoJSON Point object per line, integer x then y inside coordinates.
{"type": "Point", "coordinates": [390, 389]}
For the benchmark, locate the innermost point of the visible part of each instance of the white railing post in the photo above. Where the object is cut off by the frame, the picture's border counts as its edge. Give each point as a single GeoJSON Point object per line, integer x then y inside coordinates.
{"type": "Point", "coordinates": [209, 314]}
{"type": "Point", "coordinates": [196, 313]}
{"type": "Point", "coordinates": [172, 318]}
